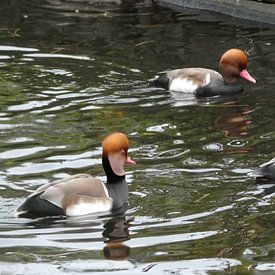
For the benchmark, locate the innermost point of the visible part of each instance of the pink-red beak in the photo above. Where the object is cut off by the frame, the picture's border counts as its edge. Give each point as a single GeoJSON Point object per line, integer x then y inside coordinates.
{"type": "Point", "coordinates": [245, 75]}
{"type": "Point", "coordinates": [130, 161]}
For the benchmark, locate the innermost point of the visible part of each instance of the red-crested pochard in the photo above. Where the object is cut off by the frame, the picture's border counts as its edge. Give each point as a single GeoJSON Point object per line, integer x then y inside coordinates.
{"type": "Point", "coordinates": [207, 82]}
{"type": "Point", "coordinates": [83, 194]}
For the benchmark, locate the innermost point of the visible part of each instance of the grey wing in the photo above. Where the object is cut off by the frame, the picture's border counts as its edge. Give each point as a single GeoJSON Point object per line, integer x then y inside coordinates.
{"type": "Point", "coordinates": [42, 188]}
{"type": "Point", "coordinates": [81, 184]}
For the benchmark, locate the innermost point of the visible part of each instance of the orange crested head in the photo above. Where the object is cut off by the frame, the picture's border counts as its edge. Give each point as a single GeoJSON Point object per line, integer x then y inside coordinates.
{"type": "Point", "coordinates": [114, 143]}
{"type": "Point", "coordinates": [233, 66]}
{"type": "Point", "coordinates": [235, 57]}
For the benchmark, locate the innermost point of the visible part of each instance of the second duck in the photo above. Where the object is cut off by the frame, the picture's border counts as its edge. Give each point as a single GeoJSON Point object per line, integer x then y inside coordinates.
{"type": "Point", "coordinates": [208, 82]}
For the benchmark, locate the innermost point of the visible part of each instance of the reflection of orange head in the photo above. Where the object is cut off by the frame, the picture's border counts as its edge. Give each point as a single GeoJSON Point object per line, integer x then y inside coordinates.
{"type": "Point", "coordinates": [241, 150]}
{"type": "Point", "coordinates": [233, 120]}
{"type": "Point", "coordinates": [114, 143]}
{"type": "Point", "coordinates": [116, 251]}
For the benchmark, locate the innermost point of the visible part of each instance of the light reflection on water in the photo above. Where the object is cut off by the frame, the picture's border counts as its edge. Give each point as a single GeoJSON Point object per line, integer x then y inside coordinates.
{"type": "Point", "coordinates": [193, 206]}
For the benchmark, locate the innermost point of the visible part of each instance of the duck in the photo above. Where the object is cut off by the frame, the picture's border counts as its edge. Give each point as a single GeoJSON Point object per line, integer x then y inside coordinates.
{"type": "Point", "coordinates": [83, 194]}
{"type": "Point", "coordinates": [266, 172]}
{"type": "Point", "coordinates": [207, 82]}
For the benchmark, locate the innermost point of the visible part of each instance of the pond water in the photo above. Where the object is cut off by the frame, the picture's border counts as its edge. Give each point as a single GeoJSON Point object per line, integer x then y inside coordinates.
{"type": "Point", "coordinates": [71, 73]}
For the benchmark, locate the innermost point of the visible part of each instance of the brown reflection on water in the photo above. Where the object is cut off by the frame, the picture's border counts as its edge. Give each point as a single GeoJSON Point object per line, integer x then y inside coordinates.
{"type": "Point", "coordinates": [116, 231]}
{"type": "Point", "coordinates": [233, 119]}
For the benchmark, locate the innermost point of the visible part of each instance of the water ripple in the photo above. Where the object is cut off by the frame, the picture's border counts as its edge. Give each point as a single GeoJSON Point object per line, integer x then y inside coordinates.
{"type": "Point", "coordinates": [160, 240]}
{"type": "Point", "coordinates": [5, 57]}
{"type": "Point", "coordinates": [18, 153]}
{"type": "Point", "coordinates": [149, 222]}
{"type": "Point", "coordinates": [37, 168]}
{"type": "Point", "coordinates": [84, 155]}
{"type": "Point", "coordinates": [189, 267]}
{"type": "Point", "coordinates": [55, 55]}
{"type": "Point", "coordinates": [17, 49]}
{"type": "Point", "coordinates": [89, 240]}
{"type": "Point", "coordinates": [31, 105]}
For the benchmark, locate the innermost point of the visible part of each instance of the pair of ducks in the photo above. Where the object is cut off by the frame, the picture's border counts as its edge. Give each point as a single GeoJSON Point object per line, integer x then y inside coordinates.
{"type": "Point", "coordinates": [83, 194]}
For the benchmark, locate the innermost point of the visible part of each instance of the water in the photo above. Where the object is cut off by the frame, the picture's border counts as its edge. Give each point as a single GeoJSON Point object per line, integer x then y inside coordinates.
{"type": "Point", "coordinates": [68, 78]}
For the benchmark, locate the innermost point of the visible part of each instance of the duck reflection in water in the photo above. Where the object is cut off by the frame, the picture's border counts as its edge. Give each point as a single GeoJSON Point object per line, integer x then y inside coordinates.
{"type": "Point", "coordinates": [116, 232]}
{"type": "Point", "coordinates": [233, 120]}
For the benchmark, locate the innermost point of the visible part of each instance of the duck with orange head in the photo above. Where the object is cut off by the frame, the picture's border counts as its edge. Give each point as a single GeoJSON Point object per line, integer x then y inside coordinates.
{"type": "Point", "coordinates": [207, 82]}
{"type": "Point", "coordinates": [83, 194]}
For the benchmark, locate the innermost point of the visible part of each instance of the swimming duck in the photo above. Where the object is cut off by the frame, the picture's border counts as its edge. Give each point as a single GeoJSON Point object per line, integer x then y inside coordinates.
{"type": "Point", "coordinates": [207, 82]}
{"type": "Point", "coordinates": [266, 171]}
{"type": "Point", "coordinates": [83, 194]}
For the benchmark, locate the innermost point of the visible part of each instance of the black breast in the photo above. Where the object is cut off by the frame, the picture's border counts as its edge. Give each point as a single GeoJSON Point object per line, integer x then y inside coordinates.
{"type": "Point", "coordinates": [219, 88]}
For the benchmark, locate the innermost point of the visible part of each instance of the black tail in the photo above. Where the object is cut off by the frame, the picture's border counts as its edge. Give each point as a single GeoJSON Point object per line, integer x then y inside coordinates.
{"type": "Point", "coordinates": [161, 81]}
{"type": "Point", "coordinates": [35, 206]}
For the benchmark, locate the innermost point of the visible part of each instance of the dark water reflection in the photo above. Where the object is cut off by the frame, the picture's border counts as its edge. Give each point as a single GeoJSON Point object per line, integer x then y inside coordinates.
{"type": "Point", "coordinates": [72, 72]}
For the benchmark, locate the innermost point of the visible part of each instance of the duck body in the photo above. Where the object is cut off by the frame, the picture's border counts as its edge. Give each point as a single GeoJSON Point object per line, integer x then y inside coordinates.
{"type": "Point", "coordinates": [83, 194]}
{"type": "Point", "coordinates": [199, 81]}
{"type": "Point", "coordinates": [208, 82]}
{"type": "Point", "coordinates": [76, 195]}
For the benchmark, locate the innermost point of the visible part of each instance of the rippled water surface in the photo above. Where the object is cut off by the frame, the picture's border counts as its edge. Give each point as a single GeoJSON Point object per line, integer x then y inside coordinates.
{"type": "Point", "coordinates": [70, 73]}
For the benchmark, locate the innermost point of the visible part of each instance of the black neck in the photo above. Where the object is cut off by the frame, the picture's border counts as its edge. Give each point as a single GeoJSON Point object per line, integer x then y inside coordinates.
{"type": "Point", "coordinates": [111, 176]}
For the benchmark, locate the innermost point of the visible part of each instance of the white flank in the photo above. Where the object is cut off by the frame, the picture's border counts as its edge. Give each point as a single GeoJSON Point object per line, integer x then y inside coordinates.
{"type": "Point", "coordinates": [85, 208]}
{"type": "Point", "coordinates": [180, 84]}
{"type": "Point", "coordinates": [207, 79]}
